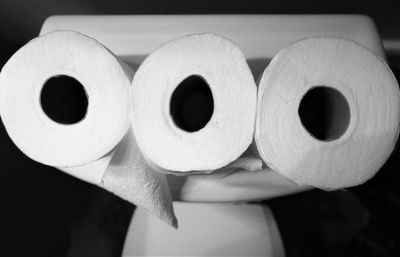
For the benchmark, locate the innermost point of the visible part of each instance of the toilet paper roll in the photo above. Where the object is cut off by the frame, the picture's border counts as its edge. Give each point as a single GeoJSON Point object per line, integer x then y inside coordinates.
{"type": "Point", "coordinates": [39, 68]}
{"type": "Point", "coordinates": [94, 143]}
{"type": "Point", "coordinates": [328, 113]}
{"type": "Point", "coordinates": [194, 102]}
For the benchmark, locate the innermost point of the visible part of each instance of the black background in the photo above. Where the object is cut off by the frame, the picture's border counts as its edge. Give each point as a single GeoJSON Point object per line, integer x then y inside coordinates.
{"type": "Point", "coordinates": [44, 212]}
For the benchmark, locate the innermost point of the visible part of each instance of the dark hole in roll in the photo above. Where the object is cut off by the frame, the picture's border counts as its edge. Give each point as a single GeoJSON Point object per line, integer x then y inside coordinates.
{"type": "Point", "coordinates": [192, 104]}
{"type": "Point", "coordinates": [64, 99]}
{"type": "Point", "coordinates": [324, 113]}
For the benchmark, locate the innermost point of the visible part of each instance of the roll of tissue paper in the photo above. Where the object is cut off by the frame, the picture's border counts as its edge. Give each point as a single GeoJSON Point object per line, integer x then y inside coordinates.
{"type": "Point", "coordinates": [84, 133]}
{"type": "Point", "coordinates": [328, 113]}
{"type": "Point", "coordinates": [194, 102]}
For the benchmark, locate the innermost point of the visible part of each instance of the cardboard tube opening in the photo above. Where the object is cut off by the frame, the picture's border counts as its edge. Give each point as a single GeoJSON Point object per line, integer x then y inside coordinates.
{"type": "Point", "coordinates": [324, 113]}
{"type": "Point", "coordinates": [192, 104]}
{"type": "Point", "coordinates": [64, 99]}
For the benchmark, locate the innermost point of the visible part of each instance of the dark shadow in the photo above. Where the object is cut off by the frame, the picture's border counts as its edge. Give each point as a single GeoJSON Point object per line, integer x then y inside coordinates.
{"type": "Point", "coordinates": [257, 66]}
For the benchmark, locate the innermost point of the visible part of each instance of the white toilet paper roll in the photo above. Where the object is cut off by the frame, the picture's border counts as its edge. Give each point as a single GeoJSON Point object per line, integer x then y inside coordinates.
{"type": "Point", "coordinates": [352, 101]}
{"type": "Point", "coordinates": [97, 147]}
{"type": "Point", "coordinates": [194, 103]}
{"type": "Point", "coordinates": [41, 66]}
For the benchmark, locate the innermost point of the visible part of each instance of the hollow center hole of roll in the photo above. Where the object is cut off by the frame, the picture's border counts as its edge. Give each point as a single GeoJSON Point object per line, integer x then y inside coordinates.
{"type": "Point", "coordinates": [324, 113]}
{"type": "Point", "coordinates": [192, 104]}
{"type": "Point", "coordinates": [64, 99]}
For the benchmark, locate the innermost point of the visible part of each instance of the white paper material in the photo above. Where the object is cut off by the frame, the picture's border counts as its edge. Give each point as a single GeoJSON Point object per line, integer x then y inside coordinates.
{"type": "Point", "coordinates": [92, 172]}
{"type": "Point", "coordinates": [371, 92]}
{"type": "Point", "coordinates": [98, 149]}
{"type": "Point", "coordinates": [106, 86]}
{"type": "Point", "coordinates": [230, 130]}
{"type": "Point", "coordinates": [144, 186]}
